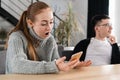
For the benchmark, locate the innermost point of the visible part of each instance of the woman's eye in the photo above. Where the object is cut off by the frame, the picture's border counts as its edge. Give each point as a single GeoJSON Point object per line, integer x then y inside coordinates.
{"type": "Point", "coordinates": [47, 23]}
{"type": "Point", "coordinates": [51, 22]}
{"type": "Point", "coordinates": [43, 24]}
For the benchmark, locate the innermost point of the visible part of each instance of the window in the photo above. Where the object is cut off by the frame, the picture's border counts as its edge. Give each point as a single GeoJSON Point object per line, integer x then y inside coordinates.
{"type": "Point", "coordinates": [114, 13]}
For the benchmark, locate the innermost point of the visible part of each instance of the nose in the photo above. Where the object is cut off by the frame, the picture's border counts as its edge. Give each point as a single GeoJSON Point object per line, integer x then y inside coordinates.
{"type": "Point", "coordinates": [111, 27]}
{"type": "Point", "coordinates": [49, 27]}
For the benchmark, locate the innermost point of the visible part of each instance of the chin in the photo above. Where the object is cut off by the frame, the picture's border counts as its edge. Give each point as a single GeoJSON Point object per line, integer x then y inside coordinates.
{"type": "Point", "coordinates": [45, 36]}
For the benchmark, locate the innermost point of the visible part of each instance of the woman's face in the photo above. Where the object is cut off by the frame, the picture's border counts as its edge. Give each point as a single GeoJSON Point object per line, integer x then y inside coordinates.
{"type": "Point", "coordinates": [43, 23]}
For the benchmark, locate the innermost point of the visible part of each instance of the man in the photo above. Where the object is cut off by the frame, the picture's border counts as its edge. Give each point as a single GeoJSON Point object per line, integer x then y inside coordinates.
{"type": "Point", "coordinates": [101, 49]}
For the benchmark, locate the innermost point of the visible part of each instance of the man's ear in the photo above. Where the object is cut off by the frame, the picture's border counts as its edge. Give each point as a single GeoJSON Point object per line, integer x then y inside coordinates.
{"type": "Point", "coordinates": [29, 22]}
{"type": "Point", "coordinates": [96, 28]}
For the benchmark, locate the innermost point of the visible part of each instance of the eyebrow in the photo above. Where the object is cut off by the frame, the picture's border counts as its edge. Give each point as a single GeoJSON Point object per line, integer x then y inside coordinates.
{"type": "Point", "coordinates": [44, 21]}
{"type": "Point", "coordinates": [47, 20]}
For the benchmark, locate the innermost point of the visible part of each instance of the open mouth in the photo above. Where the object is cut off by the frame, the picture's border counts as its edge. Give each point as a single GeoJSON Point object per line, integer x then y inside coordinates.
{"type": "Point", "coordinates": [47, 33]}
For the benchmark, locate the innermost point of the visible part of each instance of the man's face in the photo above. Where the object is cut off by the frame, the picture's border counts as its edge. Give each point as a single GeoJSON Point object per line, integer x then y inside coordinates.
{"type": "Point", "coordinates": [103, 28]}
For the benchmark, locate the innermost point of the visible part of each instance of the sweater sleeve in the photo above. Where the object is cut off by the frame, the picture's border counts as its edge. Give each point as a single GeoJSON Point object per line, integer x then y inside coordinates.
{"type": "Point", "coordinates": [17, 61]}
{"type": "Point", "coordinates": [55, 50]}
{"type": "Point", "coordinates": [115, 59]}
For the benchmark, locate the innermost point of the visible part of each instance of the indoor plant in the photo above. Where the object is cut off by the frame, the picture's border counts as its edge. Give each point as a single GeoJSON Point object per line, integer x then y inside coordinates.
{"type": "Point", "coordinates": [65, 28]}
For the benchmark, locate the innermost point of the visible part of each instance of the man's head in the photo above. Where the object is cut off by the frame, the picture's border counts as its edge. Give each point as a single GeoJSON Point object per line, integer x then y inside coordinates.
{"type": "Point", "coordinates": [101, 25]}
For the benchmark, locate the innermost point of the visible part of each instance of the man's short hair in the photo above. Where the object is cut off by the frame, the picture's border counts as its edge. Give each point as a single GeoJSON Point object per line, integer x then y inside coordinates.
{"type": "Point", "coordinates": [98, 18]}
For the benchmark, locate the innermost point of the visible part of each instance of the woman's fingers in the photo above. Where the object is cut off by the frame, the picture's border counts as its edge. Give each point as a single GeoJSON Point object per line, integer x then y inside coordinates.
{"type": "Point", "coordinates": [84, 63]}
{"type": "Point", "coordinates": [73, 63]}
{"type": "Point", "coordinates": [88, 62]}
{"type": "Point", "coordinates": [60, 60]}
{"type": "Point", "coordinates": [66, 66]}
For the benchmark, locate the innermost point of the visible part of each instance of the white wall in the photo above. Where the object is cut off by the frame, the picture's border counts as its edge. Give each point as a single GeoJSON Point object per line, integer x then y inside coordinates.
{"type": "Point", "coordinates": [114, 12]}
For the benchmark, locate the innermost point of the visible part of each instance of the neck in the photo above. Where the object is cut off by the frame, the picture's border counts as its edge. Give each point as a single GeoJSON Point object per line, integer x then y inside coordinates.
{"type": "Point", "coordinates": [100, 38]}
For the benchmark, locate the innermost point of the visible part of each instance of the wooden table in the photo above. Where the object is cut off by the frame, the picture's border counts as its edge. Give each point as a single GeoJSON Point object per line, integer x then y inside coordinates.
{"type": "Point", "coordinates": [107, 72]}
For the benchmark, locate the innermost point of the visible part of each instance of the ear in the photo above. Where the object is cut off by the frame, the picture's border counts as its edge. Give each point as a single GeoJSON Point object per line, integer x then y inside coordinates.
{"type": "Point", "coordinates": [29, 22]}
{"type": "Point", "coordinates": [96, 28]}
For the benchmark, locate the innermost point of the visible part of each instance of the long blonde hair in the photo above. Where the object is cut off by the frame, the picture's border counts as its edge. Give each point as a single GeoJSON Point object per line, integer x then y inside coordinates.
{"type": "Point", "coordinates": [30, 13]}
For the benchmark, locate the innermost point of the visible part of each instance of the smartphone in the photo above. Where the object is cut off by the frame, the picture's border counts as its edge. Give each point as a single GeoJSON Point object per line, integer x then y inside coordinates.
{"type": "Point", "coordinates": [76, 56]}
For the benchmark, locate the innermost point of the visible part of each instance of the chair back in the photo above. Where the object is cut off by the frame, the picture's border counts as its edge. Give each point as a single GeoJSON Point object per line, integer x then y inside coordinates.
{"type": "Point", "coordinates": [2, 61]}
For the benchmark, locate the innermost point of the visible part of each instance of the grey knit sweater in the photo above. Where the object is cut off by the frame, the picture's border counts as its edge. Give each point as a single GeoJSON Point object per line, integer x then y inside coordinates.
{"type": "Point", "coordinates": [17, 60]}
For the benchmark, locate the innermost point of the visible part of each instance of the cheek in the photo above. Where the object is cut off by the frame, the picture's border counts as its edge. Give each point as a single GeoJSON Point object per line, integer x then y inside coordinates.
{"type": "Point", "coordinates": [37, 30]}
{"type": "Point", "coordinates": [107, 29]}
{"type": "Point", "coordinates": [102, 31]}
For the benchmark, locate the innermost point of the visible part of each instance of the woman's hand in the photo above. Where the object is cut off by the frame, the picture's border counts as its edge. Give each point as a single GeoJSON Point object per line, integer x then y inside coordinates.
{"type": "Point", "coordinates": [62, 66]}
{"type": "Point", "coordinates": [84, 64]}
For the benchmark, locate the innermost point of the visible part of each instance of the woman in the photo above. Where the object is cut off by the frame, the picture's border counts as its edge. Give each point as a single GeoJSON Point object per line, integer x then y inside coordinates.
{"type": "Point", "coordinates": [31, 48]}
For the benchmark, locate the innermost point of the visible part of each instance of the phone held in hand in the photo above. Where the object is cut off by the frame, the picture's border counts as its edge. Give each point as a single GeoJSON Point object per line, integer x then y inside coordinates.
{"type": "Point", "coordinates": [76, 56]}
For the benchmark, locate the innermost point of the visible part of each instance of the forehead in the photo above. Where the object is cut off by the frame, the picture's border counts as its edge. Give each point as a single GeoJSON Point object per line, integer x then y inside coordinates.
{"type": "Point", "coordinates": [45, 14]}
{"type": "Point", "coordinates": [104, 21]}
